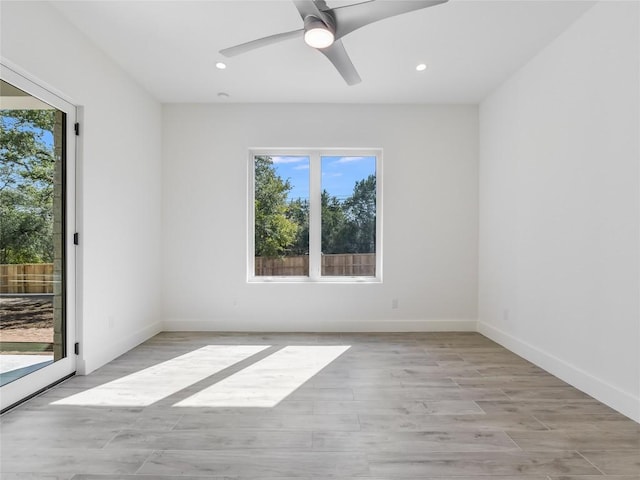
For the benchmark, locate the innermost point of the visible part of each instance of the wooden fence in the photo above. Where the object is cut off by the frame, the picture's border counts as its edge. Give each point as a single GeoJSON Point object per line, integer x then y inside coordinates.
{"type": "Point", "coordinates": [27, 278]}
{"type": "Point", "coordinates": [341, 265]}
{"type": "Point", "coordinates": [39, 278]}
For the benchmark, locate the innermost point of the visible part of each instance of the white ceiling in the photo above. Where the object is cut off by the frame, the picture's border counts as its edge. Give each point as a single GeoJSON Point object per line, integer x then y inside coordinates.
{"type": "Point", "coordinates": [470, 47]}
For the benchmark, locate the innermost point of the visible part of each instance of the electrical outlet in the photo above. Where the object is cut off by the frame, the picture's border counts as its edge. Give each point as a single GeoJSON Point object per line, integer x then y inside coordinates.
{"type": "Point", "coordinates": [394, 303]}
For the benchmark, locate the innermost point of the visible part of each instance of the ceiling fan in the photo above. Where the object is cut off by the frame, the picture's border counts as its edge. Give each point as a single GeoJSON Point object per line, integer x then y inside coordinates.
{"type": "Point", "coordinates": [324, 27]}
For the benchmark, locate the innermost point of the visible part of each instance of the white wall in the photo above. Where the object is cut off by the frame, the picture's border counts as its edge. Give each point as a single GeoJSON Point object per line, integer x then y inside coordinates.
{"type": "Point", "coordinates": [559, 208]}
{"type": "Point", "coordinates": [429, 232]}
{"type": "Point", "coordinates": [120, 167]}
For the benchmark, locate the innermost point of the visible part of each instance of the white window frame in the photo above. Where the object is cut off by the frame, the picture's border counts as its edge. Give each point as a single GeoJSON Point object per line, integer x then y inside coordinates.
{"type": "Point", "coordinates": [315, 209]}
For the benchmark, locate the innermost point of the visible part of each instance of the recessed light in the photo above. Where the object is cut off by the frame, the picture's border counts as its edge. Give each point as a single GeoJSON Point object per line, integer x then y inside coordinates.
{"type": "Point", "coordinates": [223, 95]}
{"type": "Point", "coordinates": [221, 66]}
{"type": "Point", "coordinates": [421, 67]}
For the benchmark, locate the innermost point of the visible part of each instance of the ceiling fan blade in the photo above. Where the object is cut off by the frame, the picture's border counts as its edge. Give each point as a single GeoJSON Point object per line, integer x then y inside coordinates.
{"type": "Point", "coordinates": [314, 8]}
{"type": "Point", "coordinates": [261, 42]}
{"type": "Point", "coordinates": [340, 59]}
{"type": "Point", "coordinates": [307, 7]}
{"type": "Point", "coordinates": [352, 17]}
{"type": "Point", "coordinates": [322, 5]}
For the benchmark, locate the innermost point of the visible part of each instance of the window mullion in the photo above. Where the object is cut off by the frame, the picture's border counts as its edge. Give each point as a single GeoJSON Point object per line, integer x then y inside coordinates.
{"type": "Point", "coordinates": [315, 211]}
{"type": "Point", "coordinates": [251, 214]}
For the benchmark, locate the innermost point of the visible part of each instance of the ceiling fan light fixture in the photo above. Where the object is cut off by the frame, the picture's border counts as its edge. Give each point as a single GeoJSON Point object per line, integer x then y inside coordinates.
{"type": "Point", "coordinates": [316, 33]}
{"type": "Point", "coordinates": [318, 38]}
{"type": "Point", "coordinates": [324, 28]}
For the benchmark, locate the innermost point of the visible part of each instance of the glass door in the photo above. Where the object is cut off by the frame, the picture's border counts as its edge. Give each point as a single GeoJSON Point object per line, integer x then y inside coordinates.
{"type": "Point", "coordinates": [37, 221]}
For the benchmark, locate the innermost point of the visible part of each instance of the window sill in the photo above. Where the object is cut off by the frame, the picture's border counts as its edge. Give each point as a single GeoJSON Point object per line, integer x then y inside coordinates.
{"type": "Point", "coordinates": [325, 280]}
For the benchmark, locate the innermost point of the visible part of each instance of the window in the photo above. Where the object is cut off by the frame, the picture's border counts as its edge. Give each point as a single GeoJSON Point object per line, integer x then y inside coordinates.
{"type": "Point", "coordinates": [315, 215]}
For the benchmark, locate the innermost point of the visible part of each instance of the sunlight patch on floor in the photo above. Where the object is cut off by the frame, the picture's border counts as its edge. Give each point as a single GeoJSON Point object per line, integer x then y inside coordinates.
{"type": "Point", "coordinates": [152, 384]}
{"type": "Point", "coordinates": [268, 381]}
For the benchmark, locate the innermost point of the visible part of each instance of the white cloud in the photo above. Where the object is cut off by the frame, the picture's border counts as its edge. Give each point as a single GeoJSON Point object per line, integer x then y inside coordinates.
{"type": "Point", "coordinates": [302, 167]}
{"type": "Point", "coordinates": [350, 159]}
{"type": "Point", "coordinates": [289, 159]}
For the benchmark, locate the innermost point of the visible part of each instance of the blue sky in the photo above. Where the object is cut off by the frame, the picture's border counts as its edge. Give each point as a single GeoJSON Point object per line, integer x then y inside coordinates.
{"type": "Point", "coordinates": [339, 173]}
{"type": "Point", "coordinates": [45, 137]}
{"type": "Point", "coordinates": [10, 122]}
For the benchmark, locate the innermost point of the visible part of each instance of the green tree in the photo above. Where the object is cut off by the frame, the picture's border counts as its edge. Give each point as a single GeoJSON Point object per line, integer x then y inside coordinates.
{"type": "Point", "coordinates": [334, 222]}
{"type": "Point", "coordinates": [27, 165]}
{"type": "Point", "coordinates": [349, 226]}
{"type": "Point", "coordinates": [275, 231]}
{"type": "Point", "coordinates": [360, 211]}
{"type": "Point", "coordinates": [298, 212]}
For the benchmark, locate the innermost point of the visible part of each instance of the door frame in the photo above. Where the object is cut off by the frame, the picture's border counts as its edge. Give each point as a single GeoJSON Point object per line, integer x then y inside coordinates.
{"type": "Point", "coordinates": [32, 383]}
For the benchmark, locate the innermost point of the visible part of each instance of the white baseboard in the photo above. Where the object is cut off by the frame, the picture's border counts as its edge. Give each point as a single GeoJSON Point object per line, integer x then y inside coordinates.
{"type": "Point", "coordinates": [99, 357]}
{"type": "Point", "coordinates": [177, 325]}
{"type": "Point", "coordinates": [619, 400]}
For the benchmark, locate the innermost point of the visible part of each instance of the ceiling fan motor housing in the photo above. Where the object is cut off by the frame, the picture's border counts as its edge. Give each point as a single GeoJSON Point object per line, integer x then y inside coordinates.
{"type": "Point", "coordinates": [319, 33]}
{"type": "Point", "coordinates": [311, 21]}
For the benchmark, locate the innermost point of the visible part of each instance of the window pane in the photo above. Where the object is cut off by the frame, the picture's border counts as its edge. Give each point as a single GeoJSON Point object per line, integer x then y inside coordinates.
{"type": "Point", "coordinates": [348, 216]}
{"type": "Point", "coordinates": [281, 215]}
{"type": "Point", "coordinates": [32, 319]}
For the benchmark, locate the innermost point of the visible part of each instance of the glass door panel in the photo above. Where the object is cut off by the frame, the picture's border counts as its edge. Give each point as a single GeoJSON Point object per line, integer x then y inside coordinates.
{"type": "Point", "coordinates": [34, 233]}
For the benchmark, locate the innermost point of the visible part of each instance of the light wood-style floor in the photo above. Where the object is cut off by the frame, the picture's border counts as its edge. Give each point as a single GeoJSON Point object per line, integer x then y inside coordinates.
{"type": "Point", "coordinates": [318, 406]}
